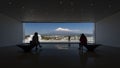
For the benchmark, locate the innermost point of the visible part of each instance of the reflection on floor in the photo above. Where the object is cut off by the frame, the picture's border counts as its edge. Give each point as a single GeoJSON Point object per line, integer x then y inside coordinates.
{"type": "Point", "coordinates": [60, 56]}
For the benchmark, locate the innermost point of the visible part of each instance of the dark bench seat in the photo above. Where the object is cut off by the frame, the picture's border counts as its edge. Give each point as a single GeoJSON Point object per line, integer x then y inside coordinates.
{"type": "Point", "coordinates": [92, 47]}
{"type": "Point", "coordinates": [26, 47]}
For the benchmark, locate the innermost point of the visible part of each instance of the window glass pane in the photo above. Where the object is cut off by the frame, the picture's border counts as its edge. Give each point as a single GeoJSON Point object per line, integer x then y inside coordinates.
{"type": "Point", "coordinates": [59, 32]}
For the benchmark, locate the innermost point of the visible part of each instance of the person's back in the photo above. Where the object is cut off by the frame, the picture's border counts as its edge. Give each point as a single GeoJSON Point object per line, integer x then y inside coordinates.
{"type": "Point", "coordinates": [35, 41]}
{"type": "Point", "coordinates": [83, 40]}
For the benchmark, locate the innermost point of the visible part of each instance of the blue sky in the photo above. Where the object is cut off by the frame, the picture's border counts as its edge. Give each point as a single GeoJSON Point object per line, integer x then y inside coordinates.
{"type": "Point", "coordinates": [42, 28]}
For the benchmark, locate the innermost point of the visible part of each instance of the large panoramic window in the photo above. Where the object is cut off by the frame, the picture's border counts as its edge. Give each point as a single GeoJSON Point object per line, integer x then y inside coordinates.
{"type": "Point", "coordinates": [59, 32]}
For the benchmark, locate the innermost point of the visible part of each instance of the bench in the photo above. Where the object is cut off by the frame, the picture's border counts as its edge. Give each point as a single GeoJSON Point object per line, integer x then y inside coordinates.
{"type": "Point", "coordinates": [91, 47]}
{"type": "Point", "coordinates": [26, 47]}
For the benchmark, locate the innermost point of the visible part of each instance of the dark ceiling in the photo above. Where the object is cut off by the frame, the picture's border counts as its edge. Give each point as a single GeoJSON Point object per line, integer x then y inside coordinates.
{"type": "Point", "coordinates": [59, 10]}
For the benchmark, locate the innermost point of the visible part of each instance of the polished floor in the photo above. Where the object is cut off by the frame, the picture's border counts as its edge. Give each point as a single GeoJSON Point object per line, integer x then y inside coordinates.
{"type": "Point", "coordinates": [60, 56]}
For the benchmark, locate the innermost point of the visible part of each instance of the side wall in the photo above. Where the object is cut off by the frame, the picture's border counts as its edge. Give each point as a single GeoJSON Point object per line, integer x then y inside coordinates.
{"type": "Point", "coordinates": [11, 31]}
{"type": "Point", "coordinates": [108, 31]}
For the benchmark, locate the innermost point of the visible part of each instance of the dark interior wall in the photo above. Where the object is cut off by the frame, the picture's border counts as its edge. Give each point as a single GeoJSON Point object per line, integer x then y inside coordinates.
{"type": "Point", "coordinates": [108, 31]}
{"type": "Point", "coordinates": [11, 31]}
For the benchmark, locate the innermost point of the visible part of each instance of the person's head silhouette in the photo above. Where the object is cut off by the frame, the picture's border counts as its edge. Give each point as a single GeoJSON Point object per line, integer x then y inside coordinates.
{"type": "Point", "coordinates": [82, 34]}
{"type": "Point", "coordinates": [35, 33]}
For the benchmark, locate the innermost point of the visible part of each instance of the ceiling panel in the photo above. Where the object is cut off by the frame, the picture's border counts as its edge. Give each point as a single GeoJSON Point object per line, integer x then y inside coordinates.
{"type": "Point", "coordinates": [59, 10]}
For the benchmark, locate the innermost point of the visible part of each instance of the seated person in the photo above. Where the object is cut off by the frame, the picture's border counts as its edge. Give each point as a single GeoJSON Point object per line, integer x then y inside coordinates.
{"type": "Point", "coordinates": [83, 41]}
{"type": "Point", "coordinates": [35, 40]}
{"type": "Point", "coordinates": [34, 43]}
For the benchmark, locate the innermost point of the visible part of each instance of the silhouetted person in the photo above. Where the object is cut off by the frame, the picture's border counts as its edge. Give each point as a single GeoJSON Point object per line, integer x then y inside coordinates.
{"type": "Point", "coordinates": [35, 40]}
{"type": "Point", "coordinates": [83, 41]}
{"type": "Point", "coordinates": [69, 38]}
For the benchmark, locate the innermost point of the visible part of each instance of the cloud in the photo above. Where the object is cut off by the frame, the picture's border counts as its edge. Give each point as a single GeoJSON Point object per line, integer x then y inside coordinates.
{"type": "Point", "coordinates": [65, 29]}
{"type": "Point", "coordinates": [62, 29]}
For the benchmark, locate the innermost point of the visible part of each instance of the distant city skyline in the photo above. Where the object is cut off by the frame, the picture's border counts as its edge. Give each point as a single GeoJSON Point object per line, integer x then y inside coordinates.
{"type": "Point", "coordinates": [42, 28]}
